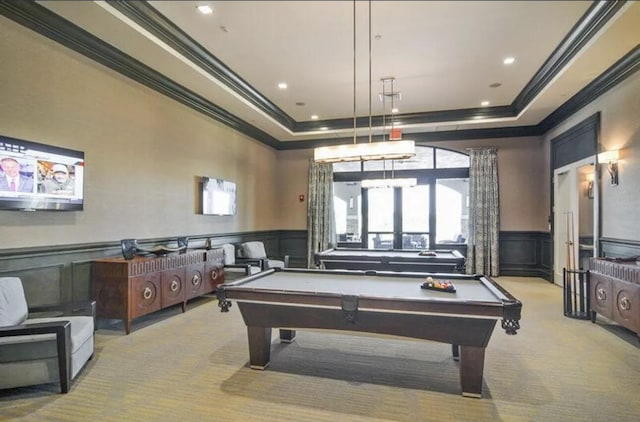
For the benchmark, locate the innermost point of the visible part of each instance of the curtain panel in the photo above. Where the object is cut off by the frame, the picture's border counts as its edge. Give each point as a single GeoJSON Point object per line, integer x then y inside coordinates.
{"type": "Point", "coordinates": [320, 224]}
{"type": "Point", "coordinates": [484, 218]}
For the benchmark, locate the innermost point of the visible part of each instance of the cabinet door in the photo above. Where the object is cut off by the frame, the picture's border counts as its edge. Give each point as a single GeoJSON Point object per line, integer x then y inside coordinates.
{"type": "Point", "coordinates": [214, 275]}
{"type": "Point", "coordinates": [173, 287]}
{"type": "Point", "coordinates": [195, 280]}
{"type": "Point", "coordinates": [626, 309]}
{"type": "Point", "coordinates": [601, 295]}
{"type": "Point", "coordinates": [145, 294]}
{"type": "Point", "coordinates": [110, 295]}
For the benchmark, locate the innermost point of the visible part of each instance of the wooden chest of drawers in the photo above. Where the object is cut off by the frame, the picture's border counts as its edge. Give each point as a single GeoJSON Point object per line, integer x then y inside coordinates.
{"type": "Point", "coordinates": [615, 292]}
{"type": "Point", "coordinates": [126, 289]}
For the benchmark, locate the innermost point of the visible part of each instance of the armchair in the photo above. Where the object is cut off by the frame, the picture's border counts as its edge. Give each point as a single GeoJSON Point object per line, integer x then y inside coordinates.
{"type": "Point", "coordinates": [255, 251]}
{"type": "Point", "coordinates": [42, 350]}
{"type": "Point", "coordinates": [234, 270]}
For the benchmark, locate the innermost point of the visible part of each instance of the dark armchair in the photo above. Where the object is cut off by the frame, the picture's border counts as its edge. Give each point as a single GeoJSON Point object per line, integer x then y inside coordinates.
{"type": "Point", "coordinates": [41, 350]}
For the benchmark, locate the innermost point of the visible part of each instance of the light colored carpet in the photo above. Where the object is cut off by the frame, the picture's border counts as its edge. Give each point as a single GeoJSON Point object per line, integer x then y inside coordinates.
{"type": "Point", "coordinates": [193, 367]}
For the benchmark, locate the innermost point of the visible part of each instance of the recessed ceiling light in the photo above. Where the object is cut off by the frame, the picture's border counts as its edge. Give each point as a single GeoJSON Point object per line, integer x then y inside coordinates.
{"type": "Point", "coordinates": [485, 103]}
{"type": "Point", "coordinates": [314, 117]}
{"type": "Point", "coordinates": [509, 60]}
{"type": "Point", "coordinates": [205, 9]}
{"type": "Point", "coordinates": [394, 110]}
{"type": "Point", "coordinates": [282, 85]}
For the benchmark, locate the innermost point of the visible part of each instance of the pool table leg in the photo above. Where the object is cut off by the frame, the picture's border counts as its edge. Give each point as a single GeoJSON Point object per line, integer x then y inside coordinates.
{"type": "Point", "coordinates": [259, 347]}
{"type": "Point", "coordinates": [287, 336]}
{"type": "Point", "coordinates": [471, 370]}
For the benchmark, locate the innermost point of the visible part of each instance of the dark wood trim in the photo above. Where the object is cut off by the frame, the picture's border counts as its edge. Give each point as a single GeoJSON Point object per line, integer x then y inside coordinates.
{"type": "Point", "coordinates": [47, 23]}
{"type": "Point", "coordinates": [619, 71]}
{"type": "Point", "coordinates": [576, 143]}
{"type": "Point", "coordinates": [156, 23]}
{"type": "Point", "coordinates": [50, 25]}
{"type": "Point", "coordinates": [619, 248]}
{"type": "Point", "coordinates": [591, 22]}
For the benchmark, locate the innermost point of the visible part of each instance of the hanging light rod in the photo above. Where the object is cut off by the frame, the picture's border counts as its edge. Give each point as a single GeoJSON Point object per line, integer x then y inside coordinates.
{"type": "Point", "coordinates": [387, 150]}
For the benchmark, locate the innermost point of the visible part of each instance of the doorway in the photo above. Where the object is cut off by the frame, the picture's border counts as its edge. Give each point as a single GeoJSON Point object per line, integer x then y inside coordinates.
{"type": "Point", "coordinates": [575, 216]}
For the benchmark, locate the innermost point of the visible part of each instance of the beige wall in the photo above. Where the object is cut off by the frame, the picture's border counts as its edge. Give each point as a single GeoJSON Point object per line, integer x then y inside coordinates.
{"type": "Point", "coordinates": [522, 167]}
{"type": "Point", "coordinates": [620, 129]}
{"type": "Point", "coordinates": [143, 151]}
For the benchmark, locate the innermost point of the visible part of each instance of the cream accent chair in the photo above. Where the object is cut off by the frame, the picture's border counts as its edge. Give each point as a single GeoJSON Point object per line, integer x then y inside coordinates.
{"type": "Point", "coordinates": [41, 350]}
{"type": "Point", "coordinates": [255, 250]}
{"type": "Point", "coordinates": [233, 270]}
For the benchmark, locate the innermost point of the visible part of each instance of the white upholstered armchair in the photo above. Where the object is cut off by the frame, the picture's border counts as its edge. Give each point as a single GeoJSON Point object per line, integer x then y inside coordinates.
{"type": "Point", "coordinates": [255, 251]}
{"type": "Point", "coordinates": [233, 269]}
{"type": "Point", "coordinates": [42, 350]}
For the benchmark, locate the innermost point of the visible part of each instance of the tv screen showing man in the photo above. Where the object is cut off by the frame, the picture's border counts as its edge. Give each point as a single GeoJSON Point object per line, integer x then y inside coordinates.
{"type": "Point", "coordinates": [13, 177]}
{"type": "Point", "coordinates": [58, 181]}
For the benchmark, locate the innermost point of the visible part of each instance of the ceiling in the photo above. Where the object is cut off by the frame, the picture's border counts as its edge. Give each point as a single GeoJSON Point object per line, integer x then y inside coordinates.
{"type": "Point", "coordinates": [446, 57]}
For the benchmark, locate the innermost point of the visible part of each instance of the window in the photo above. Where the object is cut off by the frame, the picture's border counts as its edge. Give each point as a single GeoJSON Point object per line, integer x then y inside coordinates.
{"type": "Point", "coordinates": [432, 214]}
{"type": "Point", "coordinates": [347, 202]}
{"type": "Point", "coordinates": [452, 210]}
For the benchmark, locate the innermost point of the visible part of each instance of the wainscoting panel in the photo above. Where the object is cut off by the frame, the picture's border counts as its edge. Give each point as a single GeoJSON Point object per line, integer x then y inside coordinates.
{"type": "Point", "coordinates": [619, 248]}
{"type": "Point", "coordinates": [525, 254]}
{"type": "Point", "coordinates": [63, 273]}
{"type": "Point", "coordinates": [80, 273]}
{"type": "Point", "coordinates": [45, 285]}
{"type": "Point", "coordinates": [294, 244]}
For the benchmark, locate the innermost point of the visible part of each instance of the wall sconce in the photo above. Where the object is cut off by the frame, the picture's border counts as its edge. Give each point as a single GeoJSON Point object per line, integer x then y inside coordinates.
{"type": "Point", "coordinates": [589, 191]}
{"type": "Point", "coordinates": [611, 159]}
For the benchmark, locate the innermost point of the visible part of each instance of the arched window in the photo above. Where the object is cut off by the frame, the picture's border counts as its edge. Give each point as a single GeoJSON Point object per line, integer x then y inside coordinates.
{"type": "Point", "coordinates": [428, 215]}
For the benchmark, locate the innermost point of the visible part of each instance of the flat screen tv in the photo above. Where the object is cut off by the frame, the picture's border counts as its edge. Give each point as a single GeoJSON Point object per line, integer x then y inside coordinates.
{"type": "Point", "coordinates": [218, 196]}
{"type": "Point", "coordinates": [36, 176]}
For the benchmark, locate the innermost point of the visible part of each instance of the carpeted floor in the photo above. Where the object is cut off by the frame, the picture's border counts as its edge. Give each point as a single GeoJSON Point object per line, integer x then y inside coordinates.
{"type": "Point", "coordinates": [193, 367]}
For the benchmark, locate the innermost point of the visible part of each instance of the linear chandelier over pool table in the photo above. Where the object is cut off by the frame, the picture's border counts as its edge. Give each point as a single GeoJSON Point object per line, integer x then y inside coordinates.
{"type": "Point", "coordinates": [365, 151]}
{"type": "Point", "coordinates": [388, 150]}
{"type": "Point", "coordinates": [405, 182]}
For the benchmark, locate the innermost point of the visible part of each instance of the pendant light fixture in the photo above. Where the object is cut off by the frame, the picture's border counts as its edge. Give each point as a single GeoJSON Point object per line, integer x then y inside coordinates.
{"type": "Point", "coordinates": [385, 150]}
{"type": "Point", "coordinates": [391, 182]}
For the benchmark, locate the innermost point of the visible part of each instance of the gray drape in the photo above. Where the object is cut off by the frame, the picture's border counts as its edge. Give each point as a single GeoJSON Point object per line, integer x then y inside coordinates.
{"type": "Point", "coordinates": [484, 218]}
{"type": "Point", "coordinates": [320, 224]}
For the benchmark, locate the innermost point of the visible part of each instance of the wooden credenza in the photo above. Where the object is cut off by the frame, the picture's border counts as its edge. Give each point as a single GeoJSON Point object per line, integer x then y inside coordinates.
{"type": "Point", "coordinates": [615, 292]}
{"type": "Point", "coordinates": [127, 289]}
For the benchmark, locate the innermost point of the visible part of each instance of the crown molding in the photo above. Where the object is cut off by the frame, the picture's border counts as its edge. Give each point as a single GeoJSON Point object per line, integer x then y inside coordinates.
{"type": "Point", "coordinates": [47, 23]}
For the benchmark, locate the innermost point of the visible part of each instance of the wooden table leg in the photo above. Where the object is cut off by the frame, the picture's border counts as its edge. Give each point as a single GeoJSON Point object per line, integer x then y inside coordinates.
{"type": "Point", "coordinates": [471, 370]}
{"type": "Point", "coordinates": [259, 347]}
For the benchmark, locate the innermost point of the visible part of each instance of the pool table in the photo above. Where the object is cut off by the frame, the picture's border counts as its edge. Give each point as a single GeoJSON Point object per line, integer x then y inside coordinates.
{"type": "Point", "coordinates": [413, 260]}
{"type": "Point", "coordinates": [375, 302]}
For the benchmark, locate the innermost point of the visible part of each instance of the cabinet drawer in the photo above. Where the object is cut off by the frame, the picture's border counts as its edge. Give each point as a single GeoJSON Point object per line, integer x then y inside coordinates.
{"type": "Point", "coordinates": [626, 304]}
{"type": "Point", "coordinates": [601, 295]}
{"type": "Point", "coordinates": [214, 275]}
{"type": "Point", "coordinates": [145, 294]}
{"type": "Point", "coordinates": [173, 287]}
{"type": "Point", "coordinates": [194, 280]}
